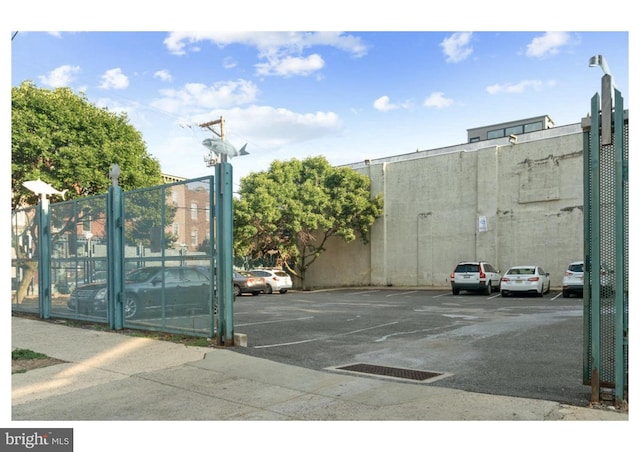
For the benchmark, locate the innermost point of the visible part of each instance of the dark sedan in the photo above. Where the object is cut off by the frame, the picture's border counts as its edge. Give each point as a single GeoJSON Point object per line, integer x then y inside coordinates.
{"type": "Point", "coordinates": [148, 289]}
{"type": "Point", "coordinates": [245, 282]}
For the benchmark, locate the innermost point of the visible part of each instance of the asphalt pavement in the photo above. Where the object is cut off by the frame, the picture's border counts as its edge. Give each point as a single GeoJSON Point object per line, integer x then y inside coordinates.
{"type": "Point", "coordinates": [110, 376]}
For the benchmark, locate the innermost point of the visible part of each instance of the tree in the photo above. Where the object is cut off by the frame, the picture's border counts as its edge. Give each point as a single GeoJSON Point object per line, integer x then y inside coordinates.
{"type": "Point", "coordinates": [296, 206]}
{"type": "Point", "coordinates": [64, 140]}
{"type": "Point", "coordinates": [59, 137]}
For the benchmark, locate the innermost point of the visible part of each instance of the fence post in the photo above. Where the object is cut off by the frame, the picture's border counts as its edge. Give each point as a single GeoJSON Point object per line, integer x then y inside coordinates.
{"type": "Point", "coordinates": [224, 251]}
{"type": "Point", "coordinates": [44, 258]}
{"type": "Point", "coordinates": [115, 257]}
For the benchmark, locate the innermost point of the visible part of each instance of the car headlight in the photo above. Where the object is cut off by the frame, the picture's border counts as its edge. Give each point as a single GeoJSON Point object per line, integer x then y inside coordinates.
{"type": "Point", "coordinates": [101, 295]}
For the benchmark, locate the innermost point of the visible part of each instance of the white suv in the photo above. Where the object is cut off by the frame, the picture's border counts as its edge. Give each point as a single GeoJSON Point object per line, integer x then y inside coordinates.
{"type": "Point", "coordinates": [475, 276]}
{"type": "Point", "coordinates": [573, 279]}
{"type": "Point", "coordinates": [277, 279]}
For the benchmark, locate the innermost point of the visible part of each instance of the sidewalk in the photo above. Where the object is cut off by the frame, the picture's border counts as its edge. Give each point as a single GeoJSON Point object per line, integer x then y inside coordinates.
{"type": "Point", "coordinates": [110, 376]}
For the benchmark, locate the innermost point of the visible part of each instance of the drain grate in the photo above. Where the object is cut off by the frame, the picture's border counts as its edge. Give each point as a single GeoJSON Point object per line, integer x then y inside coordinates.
{"type": "Point", "coordinates": [395, 372]}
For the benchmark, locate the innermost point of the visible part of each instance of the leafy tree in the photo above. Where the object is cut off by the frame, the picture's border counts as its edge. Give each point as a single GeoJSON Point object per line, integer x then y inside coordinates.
{"type": "Point", "coordinates": [59, 137]}
{"type": "Point", "coordinates": [296, 206]}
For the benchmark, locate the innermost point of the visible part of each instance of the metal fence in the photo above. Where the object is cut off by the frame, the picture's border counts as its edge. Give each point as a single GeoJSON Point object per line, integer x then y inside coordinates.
{"type": "Point", "coordinates": [606, 214]}
{"type": "Point", "coordinates": [167, 252]}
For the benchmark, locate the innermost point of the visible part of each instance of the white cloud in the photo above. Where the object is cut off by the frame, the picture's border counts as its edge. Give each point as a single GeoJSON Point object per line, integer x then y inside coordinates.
{"type": "Point", "coordinates": [384, 104]}
{"type": "Point", "coordinates": [517, 88]}
{"type": "Point", "coordinates": [163, 75]}
{"type": "Point", "coordinates": [548, 44]}
{"type": "Point", "coordinates": [437, 100]}
{"type": "Point", "coordinates": [60, 76]}
{"type": "Point", "coordinates": [219, 95]}
{"type": "Point", "coordinates": [456, 47]}
{"type": "Point", "coordinates": [289, 66]}
{"type": "Point", "coordinates": [282, 52]}
{"type": "Point", "coordinates": [114, 79]}
{"type": "Point", "coordinates": [229, 63]}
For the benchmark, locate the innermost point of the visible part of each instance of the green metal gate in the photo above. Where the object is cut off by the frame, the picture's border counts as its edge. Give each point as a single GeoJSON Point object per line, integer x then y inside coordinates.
{"type": "Point", "coordinates": [606, 240]}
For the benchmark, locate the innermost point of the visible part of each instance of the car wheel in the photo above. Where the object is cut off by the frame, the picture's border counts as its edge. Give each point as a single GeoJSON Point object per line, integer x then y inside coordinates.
{"type": "Point", "coordinates": [283, 290]}
{"type": "Point", "coordinates": [504, 293]}
{"type": "Point", "coordinates": [455, 291]}
{"type": "Point", "coordinates": [541, 293]}
{"type": "Point", "coordinates": [236, 291]}
{"type": "Point", "coordinates": [131, 306]}
{"type": "Point", "coordinates": [255, 293]}
{"type": "Point", "coordinates": [487, 291]}
{"type": "Point", "coordinates": [565, 294]}
{"type": "Point", "coordinates": [269, 289]}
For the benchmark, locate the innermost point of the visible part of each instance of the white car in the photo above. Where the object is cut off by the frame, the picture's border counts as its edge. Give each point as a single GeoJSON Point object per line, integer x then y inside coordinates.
{"type": "Point", "coordinates": [525, 279]}
{"type": "Point", "coordinates": [573, 279]}
{"type": "Point", "coordinates": [277, 280]}
{"type": "Point", "coordinates": [475, 276]}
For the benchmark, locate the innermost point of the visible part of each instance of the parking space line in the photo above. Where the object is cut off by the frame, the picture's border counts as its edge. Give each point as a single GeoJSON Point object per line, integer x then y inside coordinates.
{"type": "Point", "coordinates": [284, 344]}
{"type": "Point", "coordinates": [554, 298]}
{"type": "Point", "coordinates": [273, 321]}
{"type": "Point", "coordinates": [401, 293]}
{"type": "Point", "coordinates": [365, 292]}
{"type": "Point", "coordinates": [495, 296]}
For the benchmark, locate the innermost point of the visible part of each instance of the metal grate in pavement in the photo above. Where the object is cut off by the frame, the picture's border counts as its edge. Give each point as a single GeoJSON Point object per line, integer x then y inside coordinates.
{"type": "Point", "coordinates": [394, 372]}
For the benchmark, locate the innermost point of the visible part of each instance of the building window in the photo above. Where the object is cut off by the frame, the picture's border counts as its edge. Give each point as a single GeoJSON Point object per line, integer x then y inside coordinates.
{"type": "Point", "coordinates": [474, 139]}
{"type": "Point", "coordinates": [533, 126]}
{"type": "Point", "coordinates": [86, 224]}
{"type": "Point", "coordinates": [495, 134]}
{"type": "Point", "coordinates": [194, 238]}
{"type": "Point", "coordinates": [175, 227]}
{"type": "Point", "coordinates": [515, 130]}
{"type": "Point", "coordinates": [194, 211]}
{"type": "Point", "coordinates": [206, 211]}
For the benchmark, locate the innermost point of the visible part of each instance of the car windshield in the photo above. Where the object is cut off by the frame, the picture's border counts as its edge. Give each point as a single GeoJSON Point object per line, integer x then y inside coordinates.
{"type": "Point", "coordinates": [142, 274]}
{"type": "Point", "coordinates": [522, 271]}
{"type": "Point", "coordinates": [468, 268]}
{"type": "Point", "coordinates": [576, 268]}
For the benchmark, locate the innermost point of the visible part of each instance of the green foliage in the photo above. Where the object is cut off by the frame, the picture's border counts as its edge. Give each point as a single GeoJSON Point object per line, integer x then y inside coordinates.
{"type": "Point", "coordinates": [23, 353]}
{"type": "Point", "coordinates": [59, 137]}
{"type": "Point", "coordinates": [293, 209]}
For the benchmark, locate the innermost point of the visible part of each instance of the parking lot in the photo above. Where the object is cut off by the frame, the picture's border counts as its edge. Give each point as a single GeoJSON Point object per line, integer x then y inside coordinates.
{"type": "Point", "coordinates": [516, 346]}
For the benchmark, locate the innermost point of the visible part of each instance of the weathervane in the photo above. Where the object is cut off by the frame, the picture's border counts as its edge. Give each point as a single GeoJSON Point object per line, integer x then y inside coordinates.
{"type": "Point", "coordinates": [219, 149]}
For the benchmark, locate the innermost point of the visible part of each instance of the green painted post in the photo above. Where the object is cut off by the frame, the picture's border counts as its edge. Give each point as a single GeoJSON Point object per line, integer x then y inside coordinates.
{"type": "Point", "coordinates": [224, 251]}
{"type": "Point", "coordinates": [592, 263]}
{"type": "Point", "coordinates": [115, 257]}
{"type": "Point", "coordinates": [620, 249]}
{"type": "Point", "coordinates": [586, 219]}
{"type": "Point", "coordinates": [44, 258]}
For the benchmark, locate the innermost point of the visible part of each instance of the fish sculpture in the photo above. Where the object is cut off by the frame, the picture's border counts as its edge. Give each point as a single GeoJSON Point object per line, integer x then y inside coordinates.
{"type": "Point", "coordinates": [40, 187]}
{"type": "Point", "coordinates": [221, 147]}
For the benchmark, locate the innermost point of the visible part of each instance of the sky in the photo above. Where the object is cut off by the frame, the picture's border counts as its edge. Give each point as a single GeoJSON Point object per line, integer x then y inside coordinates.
{"type": "Point", "coordinates": [381, 79]}
{"type": "Point", "coordinates": [347, 95]}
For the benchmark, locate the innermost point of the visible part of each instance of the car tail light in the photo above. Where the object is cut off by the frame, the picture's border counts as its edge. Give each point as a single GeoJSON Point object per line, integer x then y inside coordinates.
{"type": "Point", "coordinates": [533, 278]}
{"type": "Point", "coordinates": [505, 279]}
{"type": "Point", "coordinates": [568, 273]}
{"type": "Point", "coordinates": [453, 275]}
{"type": "Point", "coordinates": [482, 275]}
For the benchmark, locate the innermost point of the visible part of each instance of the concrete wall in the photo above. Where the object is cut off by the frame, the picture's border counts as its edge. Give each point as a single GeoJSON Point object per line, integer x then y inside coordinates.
{"type": "Point", "coordinates": [506, 204]}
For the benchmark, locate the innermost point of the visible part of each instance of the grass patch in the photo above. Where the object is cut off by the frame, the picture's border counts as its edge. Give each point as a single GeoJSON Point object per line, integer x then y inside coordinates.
{"type": "Point", "coordinates": [22, 353]}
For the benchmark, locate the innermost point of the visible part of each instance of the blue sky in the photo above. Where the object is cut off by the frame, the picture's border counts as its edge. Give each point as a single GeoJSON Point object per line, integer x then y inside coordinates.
{"type": "Point", "coordinates": [367, 90]}
{"type": "Point", "coordinates": [346, 95]}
